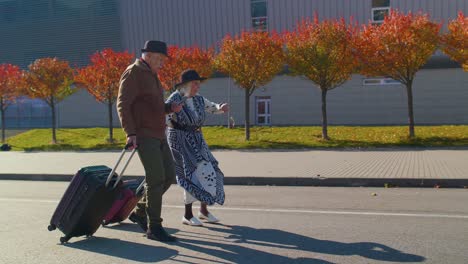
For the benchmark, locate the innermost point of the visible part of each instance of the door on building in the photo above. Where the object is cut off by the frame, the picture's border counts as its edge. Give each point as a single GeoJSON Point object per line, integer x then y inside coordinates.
{"type": "Point", "coordinates": [262, 107]}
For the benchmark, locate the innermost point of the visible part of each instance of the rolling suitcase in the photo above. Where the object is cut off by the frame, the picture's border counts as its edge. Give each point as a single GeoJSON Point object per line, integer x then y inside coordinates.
{"type": "Point", "coordinates": [87, 199]}
{"type": "Point", "coordinates": [132, 192]}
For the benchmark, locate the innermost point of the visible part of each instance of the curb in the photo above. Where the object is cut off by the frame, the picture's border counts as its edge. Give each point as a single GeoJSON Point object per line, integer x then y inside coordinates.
{"type": "Point", "coordinates": [287, 181]}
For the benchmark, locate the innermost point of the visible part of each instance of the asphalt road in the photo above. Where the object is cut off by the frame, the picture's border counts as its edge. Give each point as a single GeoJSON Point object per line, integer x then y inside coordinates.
{"type": "Point", "coordinates": [259, 225]}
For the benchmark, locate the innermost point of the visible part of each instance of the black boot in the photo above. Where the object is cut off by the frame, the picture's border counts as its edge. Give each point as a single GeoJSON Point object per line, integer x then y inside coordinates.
{"type": "Point", "coordinates": [140, 220]}
{"type": "Point", "coordinates": [158, 233]}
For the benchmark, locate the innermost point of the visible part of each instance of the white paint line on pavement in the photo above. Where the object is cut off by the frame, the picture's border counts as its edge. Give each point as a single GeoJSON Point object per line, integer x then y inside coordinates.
{"type": "Point", "coordinates": [27, 200]}
{"type": "Point", "coordinates": [276, 210]}
{"type": "Point", "coordinates": [329, 212]}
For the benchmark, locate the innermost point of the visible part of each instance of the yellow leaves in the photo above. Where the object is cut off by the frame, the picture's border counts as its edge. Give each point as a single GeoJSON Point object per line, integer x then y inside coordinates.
{"type": "Point", "coordinates": [11, 83]}
{"type": "Point", "coordinates": [49, 77]}
{"type": "Point", "coordinates": [321, 51]}
{"type": "Point", "coordinates": [401, 43]}
{"type": "Point", "coordinates": [455, 42]}
{"type": "Point", "coordinates": [182, 59]}
{"type": "Point", "coordinates": [251, 57]}
{"type": "Point", "coordinates": [101, 78]}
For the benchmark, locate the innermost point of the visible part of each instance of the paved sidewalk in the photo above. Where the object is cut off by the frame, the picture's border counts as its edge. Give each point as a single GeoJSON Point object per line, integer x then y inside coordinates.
{"type": "Point", "coordinates": [398, 167]}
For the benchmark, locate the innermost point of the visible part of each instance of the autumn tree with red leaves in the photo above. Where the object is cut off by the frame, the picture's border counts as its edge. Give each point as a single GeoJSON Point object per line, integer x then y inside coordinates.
{"type": "Point", "coordinates": [182, 59]}
{"type": "Point", "coordinates": [101, 78]}
{"type": "Point", "coordinates": [10, 88]}
{"type": "Point", "coordinates": [252, 59]}
{"type": "Point", "coordinates": [398, 48]}
{"type": "Point", "coordinates": [49, 79]}
{"type": "Point", "coordinates": [455, 41]}
{"type": "Point", "coordinates": [323, 53]}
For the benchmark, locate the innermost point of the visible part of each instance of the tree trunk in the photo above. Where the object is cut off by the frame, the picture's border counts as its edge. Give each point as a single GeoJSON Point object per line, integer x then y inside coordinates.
{"type": "Point", "coordinates": [409, 90]}
{"type": "Point", "coordinates": [324, 115]}
{"type": "Point", "coordinates": [111, 135]}
{"type": "Point", "coordinates": [3, 119]}
{"type": "Point", "coordinates": [52, 107]}
{"type": "Point", "coordinates": [247, 114]}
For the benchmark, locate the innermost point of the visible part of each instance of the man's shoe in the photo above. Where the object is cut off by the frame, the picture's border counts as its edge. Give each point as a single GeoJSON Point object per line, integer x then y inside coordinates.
{"type": "Point", "coordinates": [140, 220]}
{"type": "Point", "coordinates": [208, 218]}
{"type": "Point", "coordinates": [159, 234]}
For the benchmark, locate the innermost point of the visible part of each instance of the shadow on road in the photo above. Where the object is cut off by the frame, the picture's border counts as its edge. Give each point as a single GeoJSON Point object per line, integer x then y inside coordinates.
{"type": "Point", "coordinates": [131, 227]}
{"type": "Point", "coordinates": [245, 236]}
{"type": "Point", "coordinates": [233, 244]}
{"type": "Point", "coordinates": [125, 249]}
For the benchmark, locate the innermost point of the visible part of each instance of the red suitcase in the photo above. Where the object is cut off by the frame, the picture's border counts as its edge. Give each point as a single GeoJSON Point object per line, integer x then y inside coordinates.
{"type": "Point", "coordinates": [128, 198]}
{"type": "Point", "coordinates": [91, 193]}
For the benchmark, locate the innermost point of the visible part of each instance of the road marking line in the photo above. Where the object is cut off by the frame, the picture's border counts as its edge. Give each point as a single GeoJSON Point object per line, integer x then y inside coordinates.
{"type": "Point", "coordinates": [27, 200]}
{"type": "Point", "coordinates": [329, 212]}
{"type": "Point", "coordinates": [278, 210]}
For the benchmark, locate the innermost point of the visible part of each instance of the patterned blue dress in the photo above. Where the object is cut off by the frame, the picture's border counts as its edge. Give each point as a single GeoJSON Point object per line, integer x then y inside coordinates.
{"type": "Point", "coordinates": [191, 153]}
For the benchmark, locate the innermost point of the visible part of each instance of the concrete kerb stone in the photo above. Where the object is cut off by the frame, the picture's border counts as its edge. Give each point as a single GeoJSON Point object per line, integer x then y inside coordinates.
{"type": "Point", "coordinates": [287, 181]}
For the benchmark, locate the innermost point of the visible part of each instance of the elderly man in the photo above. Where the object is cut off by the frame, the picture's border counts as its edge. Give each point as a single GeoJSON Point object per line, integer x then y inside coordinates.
{"type": "Point", "coordinates": [141, 109]}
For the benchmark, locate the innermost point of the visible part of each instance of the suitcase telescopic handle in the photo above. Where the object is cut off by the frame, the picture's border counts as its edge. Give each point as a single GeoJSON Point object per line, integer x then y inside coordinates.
{"type": "Point", "coordinates": [138, 189]}
{"type": "Point", "coordinates": [117, 164]}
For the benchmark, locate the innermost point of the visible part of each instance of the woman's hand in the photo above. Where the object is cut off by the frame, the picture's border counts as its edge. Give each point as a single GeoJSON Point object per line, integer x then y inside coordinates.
{"type": "Point", "coordinates": [224, 107]}
{"type": "Point", "coordinates": [175, 107]}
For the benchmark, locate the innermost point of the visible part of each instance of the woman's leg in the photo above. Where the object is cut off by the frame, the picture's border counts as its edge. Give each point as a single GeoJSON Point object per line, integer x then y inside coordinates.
{"type": "Point", "coordinates": [188, 201]}
{"type": "Point", "coordinates": [188, 218]}
{"type": "Point", "coordinates": [204, 209]}
{"type": "Point", "coordinates": [204, 214]}
{"type": "Point", "coordinates": [188, 211]}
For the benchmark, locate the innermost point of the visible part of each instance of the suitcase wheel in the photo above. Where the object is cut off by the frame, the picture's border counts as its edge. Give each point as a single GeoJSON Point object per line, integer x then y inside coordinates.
{"type": "Point", "coordinates": [51, 227]}
{"type": "Point", "coordinates": [64, 239]}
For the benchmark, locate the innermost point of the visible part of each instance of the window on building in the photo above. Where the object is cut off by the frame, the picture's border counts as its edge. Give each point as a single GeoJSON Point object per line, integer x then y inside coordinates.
{"type": "Point", "coordinates": [28, 113]}
{"type": "Point", "coordinates": [380, 8]}
{"type": "Point", "coordinates": [258, 10]}
{"type": "Point", "coordinates": [262, 113]}
{"type": "Point", "coordinates": [380, 81]}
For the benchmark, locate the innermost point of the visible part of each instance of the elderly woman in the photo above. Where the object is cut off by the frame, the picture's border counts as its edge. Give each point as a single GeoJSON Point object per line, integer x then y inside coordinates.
{"type": "Point", "coordinates": [197, 170]}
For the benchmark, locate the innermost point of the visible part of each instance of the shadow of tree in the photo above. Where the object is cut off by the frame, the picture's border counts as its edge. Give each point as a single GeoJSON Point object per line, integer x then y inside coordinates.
{"type": "Point", "coordinates": [233, 253]}
{"type": "Point", "coordinates": [242, 235]}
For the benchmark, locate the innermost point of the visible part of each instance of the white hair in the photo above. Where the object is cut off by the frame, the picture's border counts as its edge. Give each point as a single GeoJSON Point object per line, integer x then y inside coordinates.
{"type": "Point", "coordinates": [144, 55]}
{"type": "Point", "coordinates": [184, 89]}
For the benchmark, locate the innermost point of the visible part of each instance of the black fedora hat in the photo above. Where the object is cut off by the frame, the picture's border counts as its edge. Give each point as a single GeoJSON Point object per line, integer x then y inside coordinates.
{"type": "Point", "coordinates": [188, 76]}
{"type": "Point", "coordinates": [155, 46]}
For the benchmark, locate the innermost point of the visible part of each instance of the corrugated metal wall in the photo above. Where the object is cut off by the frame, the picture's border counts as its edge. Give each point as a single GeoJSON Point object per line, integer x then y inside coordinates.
{"type": "Point", "coordinates": [440, 97]}
{"type": "Point", "coordinates": [181, 22]}
{"type": "Point", "coordinates": [74, 29]}
{"type": "Point", "coordinates": [68, 29]}
{"type": "Point", "coordinates": [283, 15]}
{"type": "Point", "coordinates": [205, 22]}
{"type": "Point", "coordinates": [440, 10]}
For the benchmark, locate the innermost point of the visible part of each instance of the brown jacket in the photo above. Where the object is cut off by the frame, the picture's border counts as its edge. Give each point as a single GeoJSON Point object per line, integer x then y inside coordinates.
{"type": "Point", "coordinates": [140, 103]}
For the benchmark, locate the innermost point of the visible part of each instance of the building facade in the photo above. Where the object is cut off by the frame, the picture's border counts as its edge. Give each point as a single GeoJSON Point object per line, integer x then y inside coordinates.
{"type": "Point", "coordinates": [440, 88]}
{"type": "Point", "coordinates": [68, 29]}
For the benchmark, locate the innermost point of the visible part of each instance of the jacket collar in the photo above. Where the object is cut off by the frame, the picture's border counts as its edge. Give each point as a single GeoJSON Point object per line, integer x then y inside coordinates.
{"type": "Point", "coordinates": [142, 65]}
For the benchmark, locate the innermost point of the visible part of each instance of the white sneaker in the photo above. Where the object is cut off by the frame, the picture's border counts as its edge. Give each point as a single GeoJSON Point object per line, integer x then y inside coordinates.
{"type": "Point", "coordinates": [192, 222]}
{"type": "Point", "coordinates": [208, 218]}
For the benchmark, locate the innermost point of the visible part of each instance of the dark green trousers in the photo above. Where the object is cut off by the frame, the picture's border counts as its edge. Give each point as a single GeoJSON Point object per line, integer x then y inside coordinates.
{"type": "Point", "coordinates": [157, 160]}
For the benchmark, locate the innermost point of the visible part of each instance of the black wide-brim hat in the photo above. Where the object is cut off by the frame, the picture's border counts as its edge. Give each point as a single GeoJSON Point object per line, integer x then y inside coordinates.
{"type": "Point", "coordinates": [155, 46]}
{"type": "Point", "coordinates": [188, 76]}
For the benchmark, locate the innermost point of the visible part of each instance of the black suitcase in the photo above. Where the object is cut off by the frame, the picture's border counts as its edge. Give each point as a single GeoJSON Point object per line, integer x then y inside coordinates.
{"type": "Point", "coordinates": [86, 201]}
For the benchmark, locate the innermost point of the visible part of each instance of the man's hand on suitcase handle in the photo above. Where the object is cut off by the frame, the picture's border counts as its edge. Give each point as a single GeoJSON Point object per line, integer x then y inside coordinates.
{"type": "Point", "coordinates": [131, 142]}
